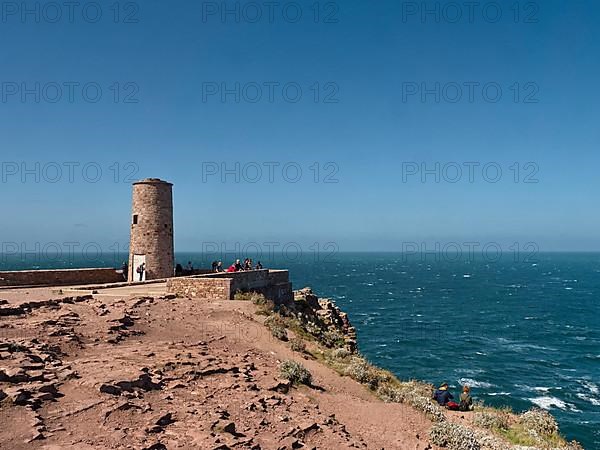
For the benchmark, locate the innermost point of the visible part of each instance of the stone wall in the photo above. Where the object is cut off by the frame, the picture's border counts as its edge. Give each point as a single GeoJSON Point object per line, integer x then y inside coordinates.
{"type": "Point", "coordinates": [200, 288]}
{"type": "Point", "coordinates": [60, 277]}
{"type": "Point", "coordinates": [274, 284]}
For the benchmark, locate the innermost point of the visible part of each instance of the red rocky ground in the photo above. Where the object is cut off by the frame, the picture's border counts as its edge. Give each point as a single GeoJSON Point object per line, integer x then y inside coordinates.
{"type": "Point", "coordinates": [110, 372]}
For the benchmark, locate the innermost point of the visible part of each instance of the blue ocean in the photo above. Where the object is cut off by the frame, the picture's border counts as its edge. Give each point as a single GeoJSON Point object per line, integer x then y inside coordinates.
{"type": "Point", "coordinates": [521, 333]}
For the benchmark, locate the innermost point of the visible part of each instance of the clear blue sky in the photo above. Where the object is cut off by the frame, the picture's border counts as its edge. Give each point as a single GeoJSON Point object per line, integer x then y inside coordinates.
{"type": "Point", "coordinates": [369, 53]}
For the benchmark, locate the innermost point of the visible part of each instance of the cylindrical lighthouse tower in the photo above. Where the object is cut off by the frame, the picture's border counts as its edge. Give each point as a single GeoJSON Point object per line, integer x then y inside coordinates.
{"type": "Point", "coordinates": [151, 245]}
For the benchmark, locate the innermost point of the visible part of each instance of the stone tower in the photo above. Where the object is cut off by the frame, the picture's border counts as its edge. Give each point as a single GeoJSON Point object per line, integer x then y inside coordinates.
{"type": "Point", "coordinates": [151, 240]}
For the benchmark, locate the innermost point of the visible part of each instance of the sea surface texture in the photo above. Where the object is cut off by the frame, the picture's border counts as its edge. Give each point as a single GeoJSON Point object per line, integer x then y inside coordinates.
{"type": "Point", "coordinates": [522, 332]}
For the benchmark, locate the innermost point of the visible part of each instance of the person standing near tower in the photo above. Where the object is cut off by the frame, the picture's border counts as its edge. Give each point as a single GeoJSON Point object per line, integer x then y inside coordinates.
{"type": "Point", "coordinates": [140, 271]}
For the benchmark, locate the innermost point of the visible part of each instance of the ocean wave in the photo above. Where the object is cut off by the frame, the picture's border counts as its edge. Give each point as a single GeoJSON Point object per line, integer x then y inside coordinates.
{"type": "Point", "coordinates": [545, 390]}
{"type": "Point", "coordinates": [593, 388]}
{"type": "Point", "coordinates": [541, 389]}
{"type": "Point", "coordinates": [476, 384]}
{"type": "Point", "coordinates": [469, 372]}
{"type": "Point", "coordinates": [589, 399]}
{"type": "Point", "coordinates": [523, 347]}
{"type": "Point", "coordinates": [547, 402]}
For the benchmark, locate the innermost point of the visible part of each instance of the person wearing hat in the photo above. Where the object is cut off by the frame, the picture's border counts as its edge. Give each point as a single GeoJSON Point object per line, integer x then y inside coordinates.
{"type": "Point", "coordinates": [442, 395]}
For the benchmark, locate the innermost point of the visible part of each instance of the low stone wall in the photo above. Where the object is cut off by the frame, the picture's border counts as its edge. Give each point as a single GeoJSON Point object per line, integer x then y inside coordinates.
{"type": "Point", "coordinates": [200, 288]}
{"type": "Point", "coordinates": [274, 284]}
{"type": "Point", "coordinates": [63, 277]}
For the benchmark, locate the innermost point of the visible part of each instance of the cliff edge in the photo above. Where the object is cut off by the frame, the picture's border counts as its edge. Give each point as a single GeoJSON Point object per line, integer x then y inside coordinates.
{"type": "Point", "coordinates": [160, 372]}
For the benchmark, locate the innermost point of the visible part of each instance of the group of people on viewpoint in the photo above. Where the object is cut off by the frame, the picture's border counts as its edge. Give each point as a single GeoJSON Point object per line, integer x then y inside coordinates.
{"type": "Point", "coordinates": [237, 266]}
{"type": "Point", "coordinates": [445, 398]}
{"type": "Point", "coordinates": [217, 267]}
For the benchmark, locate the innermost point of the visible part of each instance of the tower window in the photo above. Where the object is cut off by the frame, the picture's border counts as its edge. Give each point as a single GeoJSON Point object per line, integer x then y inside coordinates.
{"type": "Point", "coordinates": [135, 219]}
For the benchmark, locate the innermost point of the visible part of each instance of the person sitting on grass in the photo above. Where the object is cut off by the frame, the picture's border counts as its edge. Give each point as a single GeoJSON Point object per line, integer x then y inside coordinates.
{"type": "Point", "coordinates": [466, 401]}
{"type": "Point", "coordinates": [442, 395]}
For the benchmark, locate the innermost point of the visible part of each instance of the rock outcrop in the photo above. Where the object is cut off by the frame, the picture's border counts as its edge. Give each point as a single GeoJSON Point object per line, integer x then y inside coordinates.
{"type": "Point", "coordinates": [322, 318]}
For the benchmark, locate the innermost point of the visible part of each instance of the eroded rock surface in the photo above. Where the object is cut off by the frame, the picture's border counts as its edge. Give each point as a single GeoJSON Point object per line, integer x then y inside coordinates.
{"type": "Point", "coordinates": [101, 372]}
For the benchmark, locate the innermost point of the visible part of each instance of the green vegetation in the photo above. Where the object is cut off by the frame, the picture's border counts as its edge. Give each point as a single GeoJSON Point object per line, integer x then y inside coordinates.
{"type": "Point", "coordinates": [265, 307]}
{"type": "Point", "coordinates": [298, 345]}
{"type": "Point", "coordinates": [537, 428]}
{"type": "Point", "coordinates": [277, 327]}
{"type": "Point", "coordinates": [332, 339]}
{"type": "Point", "coordinates": [454, 437]}
{"type": "Point", "coordinates": [295, 372]}
{"type": "Point", "coordinates": [492, 419]}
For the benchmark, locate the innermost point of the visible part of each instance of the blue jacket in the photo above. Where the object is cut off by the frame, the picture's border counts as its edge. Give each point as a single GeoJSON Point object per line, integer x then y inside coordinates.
{"type": "Point", "coordinates": [442, 396]}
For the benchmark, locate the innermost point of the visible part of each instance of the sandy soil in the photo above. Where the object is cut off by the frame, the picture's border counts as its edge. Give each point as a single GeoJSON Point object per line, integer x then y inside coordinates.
{"type": "Point", "coordinates": [127, 371]}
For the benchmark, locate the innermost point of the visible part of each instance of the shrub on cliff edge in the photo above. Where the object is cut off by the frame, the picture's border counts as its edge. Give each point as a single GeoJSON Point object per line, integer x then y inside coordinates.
{"type": "Point", "coordinates": [332, 339]}
{"type": "Point", "coordinates": [295, 372]}
{"type": "Point", "coordinates": [360, 370]}
{"type": "Point", "coordinates": [340, 353]}
{"type": "Point", "coordinates": [298, 345]}
{"type": "Point", "coordinates": [279, 333]}
{"type": "Point", "coordinates": [499, 420]}
{"type": "Point", "coordinates": [539, 422]}
{"type": "Point", "coordinates": [453, 437]}
{"type": "Point", "coordinates": [414, 394]}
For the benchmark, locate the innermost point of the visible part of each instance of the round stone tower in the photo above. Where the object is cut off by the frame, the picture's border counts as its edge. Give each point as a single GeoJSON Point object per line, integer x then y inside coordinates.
{"type": "Point", "coordinates": [151, 245]}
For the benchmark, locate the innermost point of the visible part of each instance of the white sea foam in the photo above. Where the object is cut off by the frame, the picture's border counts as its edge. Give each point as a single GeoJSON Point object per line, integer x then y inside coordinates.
{"type": "Point", "coordinates": [590, 386]}
{"type": "Point", "coordinates": [494, 394]}
{"type": "Point", "coordinates": [476, 384]}
{"type": "Point", "coordinates": [466, 275]}
{"type": "Point", "coordinates": [589, 399]}
{"type": "Point", "coordinates": [547, 402]}
{"type": "Point", "coordinates": [469, 372]}
{"type": "Point", "coordinates": [522, 347]}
